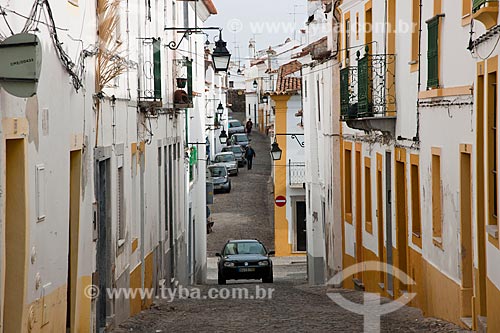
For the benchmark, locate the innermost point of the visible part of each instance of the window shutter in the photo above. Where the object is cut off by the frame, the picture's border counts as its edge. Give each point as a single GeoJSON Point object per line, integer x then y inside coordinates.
{"type": "Point", "coordinates": [157, 67]}
{"type": "Point", "coordinates": [433, 53]}
{"type": "Point", "coordinates": [344, 91]}
{"type": "Point", "coordinates": [363, 86]}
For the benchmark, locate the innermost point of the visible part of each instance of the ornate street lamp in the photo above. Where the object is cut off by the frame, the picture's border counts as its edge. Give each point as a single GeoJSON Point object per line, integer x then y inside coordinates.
{"type": "Point", "coordinates": [221, 55]}
{"type": "Point", "coordinates": [276, 151]}
{"type": "Point", "coordinates": [255, 84]}
{"type": "Point", "coordinates": [223, 137]}
{"type": "Point", "coordinates": [220, 109]}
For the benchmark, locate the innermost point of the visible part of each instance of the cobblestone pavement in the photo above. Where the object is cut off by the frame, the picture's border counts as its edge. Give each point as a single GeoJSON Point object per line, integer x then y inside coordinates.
{"type": "Point", "coordinates": [246, 212]}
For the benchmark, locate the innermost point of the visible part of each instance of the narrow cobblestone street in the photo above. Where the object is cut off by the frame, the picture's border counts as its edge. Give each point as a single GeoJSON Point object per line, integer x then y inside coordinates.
{"type": "Point", "coordinates": [290, 305]}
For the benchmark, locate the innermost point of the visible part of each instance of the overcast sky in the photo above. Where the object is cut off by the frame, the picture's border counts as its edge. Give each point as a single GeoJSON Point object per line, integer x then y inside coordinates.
{"type": "Point", "coordinates": [270, 22]}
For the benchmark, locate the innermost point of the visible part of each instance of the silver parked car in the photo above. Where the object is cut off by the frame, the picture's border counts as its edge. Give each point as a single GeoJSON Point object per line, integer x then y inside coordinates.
{"type": "Point", "coordinates": [238, 152]}
{"type": "Point", "coordinates": [228, 160]}
{"type": "Point", "coordinates": [219, 177]}
{"type": "Point", "coordinates": [235, 126]}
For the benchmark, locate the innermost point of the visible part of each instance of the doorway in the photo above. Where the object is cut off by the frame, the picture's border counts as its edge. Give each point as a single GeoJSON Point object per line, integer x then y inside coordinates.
{"type": "Point", "coordinates": [401, 221]}
{"type": "Point", "coordinates": [16, 236]}
{"type": "Point", "coordinates": [388, 219]}
{"type": "Point", "coordinates": [300, 226]}
{"type": "Point", "coordinates": [466, 233]}
{"type": "Point", "coordinates": [103, 258]}
{"type": "Point", "coordinates": [74, 226]}
{"type": "Point", "coordinates": [359, 223]}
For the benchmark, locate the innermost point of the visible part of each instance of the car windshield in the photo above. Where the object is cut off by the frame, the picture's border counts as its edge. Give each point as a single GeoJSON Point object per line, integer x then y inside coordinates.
{"type": "Point", "coordinates": [244, 248]}
{"type": "Point", "coordinates": [224, 158]}
{"type": "Point", "coordinates": [240, 138]}
{"type": "Point", "coordinates": [232, 149]}
{"type": "Point", "coordinates": [235, 123]}
{"type": "Point", "coordinates": [218, 172]}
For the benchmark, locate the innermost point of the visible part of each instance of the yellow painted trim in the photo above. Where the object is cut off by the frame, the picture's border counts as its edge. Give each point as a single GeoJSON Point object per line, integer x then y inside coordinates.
{"type": "Point", "coordinates": [281, 225]}
{"type": "Point", "coordinates": [466, 8]}
{"type": "Point", "coordinates": [15, 230]}
{"type": "Point", "coordinates": [492, 64]}
{"type": "Point", "coordinates": [368, 5]}
{"type": "Point", "coordinates": [15, 128]}
{"type": "Point", "coordinates": [83, 305]}
{"type": "Point", "coordinates": [466, 20]}
{"type": "Point", "coordinates": [135, 244]}
{"type": "Point", "coordinates": [446, 92]}
{"type": "Point", "coordinates": [437, 7]}
{"type": "Point", "coordinates": [465, 148]}
{"type": "Point", "coordinates": [436, 151]}
{"type": "Point", "coordinates": [400, 155]}
{"type": "Point", "coordinates": [414, 35]}
{"type": "Point", "coordinates": [135, 284]}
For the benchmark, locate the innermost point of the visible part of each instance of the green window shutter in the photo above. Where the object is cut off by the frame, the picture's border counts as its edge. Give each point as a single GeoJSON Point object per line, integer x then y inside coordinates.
{"type": "Point", "coordinates": [477, 4]}
{"type": "Point", "coordinates": [363, 86]}
{"type": "Point", "coordinates": [344, 92]}
{"type": "Point", "coordinates": [157, 67]}
{"type": "Point", "coordinates": [189, 66]}
{"type": "Point", "coordinates": [433, 53]}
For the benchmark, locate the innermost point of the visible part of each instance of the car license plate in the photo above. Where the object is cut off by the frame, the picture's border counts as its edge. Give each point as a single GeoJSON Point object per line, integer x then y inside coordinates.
{"type": "Point", "coordinates": [247, 269]}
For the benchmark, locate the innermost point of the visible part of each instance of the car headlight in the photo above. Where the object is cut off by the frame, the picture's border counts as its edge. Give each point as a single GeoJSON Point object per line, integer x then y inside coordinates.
{"type": "Point", "coordinates": [228, 264]}
{"type": "Point", "coordinates": [264, 263]}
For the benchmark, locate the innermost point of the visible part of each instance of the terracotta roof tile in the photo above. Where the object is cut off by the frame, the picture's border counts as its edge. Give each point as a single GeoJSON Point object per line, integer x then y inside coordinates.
{"type": "Point", "coordinates": [287, 83]}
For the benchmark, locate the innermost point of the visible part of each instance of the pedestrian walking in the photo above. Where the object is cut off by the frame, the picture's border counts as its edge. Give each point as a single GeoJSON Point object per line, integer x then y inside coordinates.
{"type": "Point", "coordinates": [249, 126]}
{"type": "Point", "coordinates": [249, 155]}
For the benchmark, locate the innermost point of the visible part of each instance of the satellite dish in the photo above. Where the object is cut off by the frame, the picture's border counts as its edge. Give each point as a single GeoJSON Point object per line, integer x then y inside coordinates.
{"type": "Point", "coordinates": [20, 64]}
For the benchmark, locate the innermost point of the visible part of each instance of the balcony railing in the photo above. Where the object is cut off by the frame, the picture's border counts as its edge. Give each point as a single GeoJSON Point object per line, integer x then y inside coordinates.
{"type": "Point", "coordinates": [478, 4]}
{"type": "Point", "coordinates": [296, 174]}
{"type": "Point", "coordinates": [368, 89]}
{"type": "Point", "coordinates": [150, 90]}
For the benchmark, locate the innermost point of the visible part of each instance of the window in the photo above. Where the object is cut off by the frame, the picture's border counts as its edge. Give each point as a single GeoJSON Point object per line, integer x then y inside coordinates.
{"type": "Point", "coordinates": [347, 39]}
{"type": "Point", "coordinates": [415, 201]}
{"type": "Point", "coordinates": [357, 26]}
{"type": "Point", "coordinates": [433, 53]}
{"type": "Point", "coordinates": [120, 206]}
{"type": "Point", "coordinates": [368, 197]}
{"type": "Point", "coordinates": [40, 192]}
{"type": "Point", "coordinates": [319, 100]}
{"type": "Point", "coordinates": [348, 184]}
{"type": "Point", "coordinates": [157, 68]}
{"type": "Point", "coordinates": [369, 28]}
{"type": "Point", "coordinates": [231, 84]}
{"type": "Point", "coordinates": [437, 218]}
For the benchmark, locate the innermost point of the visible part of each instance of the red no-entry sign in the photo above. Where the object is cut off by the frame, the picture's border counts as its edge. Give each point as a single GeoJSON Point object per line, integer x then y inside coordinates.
{"type": "Point", "coordinates": [280, 201]}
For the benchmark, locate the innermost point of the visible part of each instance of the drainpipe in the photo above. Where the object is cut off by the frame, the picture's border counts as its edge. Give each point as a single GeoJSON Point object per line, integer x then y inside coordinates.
{"type": "Point", "coordinates": [419, 85]}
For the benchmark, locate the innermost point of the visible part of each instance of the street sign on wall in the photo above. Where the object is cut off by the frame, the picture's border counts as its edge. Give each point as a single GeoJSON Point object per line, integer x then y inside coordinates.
{"type": "Point", "coordinates": [20, 64]}
{"type": "Point", "coordinates": [280, 201]}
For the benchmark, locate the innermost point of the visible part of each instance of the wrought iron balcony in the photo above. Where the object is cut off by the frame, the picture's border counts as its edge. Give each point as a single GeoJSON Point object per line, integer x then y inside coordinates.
{"type": "Point", "coordinates": [368, 92]}
{"type": "Point", "coordinates": [485, 11]}
{"type": "Point", "coordinates": [296, 174]}
{"type": "Point", "coordinates": [478, 4]}
{"type": "Point", "coordinates": [150, 89]}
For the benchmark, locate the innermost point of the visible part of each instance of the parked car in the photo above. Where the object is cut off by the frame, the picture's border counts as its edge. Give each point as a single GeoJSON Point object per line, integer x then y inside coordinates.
{"type": "Point", "coordinates": [229, 161]}
{"type": "Point", "coordinates": [245, 259]}
{"type": "Point", "coordinates": [239, 153]}
{"type": "Point", "coordinates": [239, 139]}
{"type": "Point", "coordinates": [235, 126]}
{"type": "Point", "coordinates": [220, 177]}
